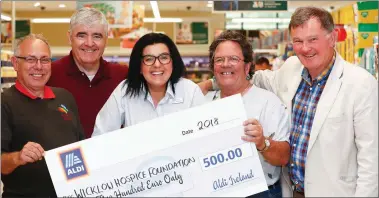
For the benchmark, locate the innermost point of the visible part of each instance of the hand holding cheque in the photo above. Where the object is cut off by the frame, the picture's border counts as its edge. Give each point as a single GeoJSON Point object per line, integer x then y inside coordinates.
{"type": "Point", "coordinates": [254, 133]}
{"type": "Point", "coordinates": [195, 152]}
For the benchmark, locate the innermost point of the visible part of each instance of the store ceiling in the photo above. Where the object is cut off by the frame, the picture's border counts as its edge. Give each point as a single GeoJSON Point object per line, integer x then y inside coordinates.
{"type": "Point", "coordinates": [163, 5]}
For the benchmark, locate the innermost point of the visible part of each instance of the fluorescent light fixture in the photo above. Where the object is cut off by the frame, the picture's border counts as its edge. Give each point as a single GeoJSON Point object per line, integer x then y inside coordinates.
{"type": "Point", "coordinates": [154, 7]}
{"type": "Point", "coordinates": [5, 17]}
{"type": "Point", "coordinates": [261, 20]}
{"type": "Point", "coordinates": [62, 5]}
{"type": "Point", "coordinates": [162, 20]}
{"type": "Point", "coordinates": [37, 4]}
{"type": "Point", "coordinates": [209, 5]}
{"type": "Point", "coordinates": [209, 2]}
{"type": "Point", "coordinates": [51, 20]}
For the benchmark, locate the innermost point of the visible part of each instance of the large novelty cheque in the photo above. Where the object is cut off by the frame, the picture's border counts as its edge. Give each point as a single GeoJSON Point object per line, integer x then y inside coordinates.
{"type": "Point", "coordinates": [195, 152]}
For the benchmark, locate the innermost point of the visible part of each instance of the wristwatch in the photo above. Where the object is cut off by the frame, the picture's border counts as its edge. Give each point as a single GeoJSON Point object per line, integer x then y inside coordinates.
{"type": "Point", "coordinates": [267, 146]}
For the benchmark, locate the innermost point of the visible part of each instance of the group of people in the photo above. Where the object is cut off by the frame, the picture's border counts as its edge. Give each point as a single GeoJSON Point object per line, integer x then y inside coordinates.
{"type": "Point", "coordinates": [313, 121]}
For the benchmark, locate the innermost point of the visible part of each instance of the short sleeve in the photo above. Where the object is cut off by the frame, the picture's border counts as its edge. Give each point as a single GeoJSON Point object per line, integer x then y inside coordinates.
{"type": "Point", "coordinates": [277, 122]}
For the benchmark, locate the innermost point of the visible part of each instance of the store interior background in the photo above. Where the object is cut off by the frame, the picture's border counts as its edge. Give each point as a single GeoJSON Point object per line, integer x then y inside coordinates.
{"type": "Point", "coordinates": [358, 25]}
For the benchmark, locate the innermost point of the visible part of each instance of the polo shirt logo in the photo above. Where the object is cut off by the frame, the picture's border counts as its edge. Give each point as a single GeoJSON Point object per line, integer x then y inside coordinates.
{"type": "Point", "coordinates": [64, 112]}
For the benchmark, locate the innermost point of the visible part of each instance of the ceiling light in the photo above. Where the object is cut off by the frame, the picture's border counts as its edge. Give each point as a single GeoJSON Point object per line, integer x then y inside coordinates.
{"type": "Point", "coordinates": [37, 4]}
{"type": "Point", "coordinates": [154, 7]}
{"type": "Point", "coordinates": [162, 20]}
{"type": "Point", "coordinates": [51, 20]}
{"type": "Point", "coordinates": [62, 5]}
{"type": "Point", "coordinates": [261, 20]}
{"type": "Point", "coordinates": [209, 5]}
{"type": "Point", "coordinates": [5, 17]}
{"type": "Point", "coordinates": [209, 2]}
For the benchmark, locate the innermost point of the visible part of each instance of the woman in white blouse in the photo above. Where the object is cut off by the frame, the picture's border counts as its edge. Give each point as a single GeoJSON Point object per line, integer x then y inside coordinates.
{"type": "Point", "coordinates": [154, 86]}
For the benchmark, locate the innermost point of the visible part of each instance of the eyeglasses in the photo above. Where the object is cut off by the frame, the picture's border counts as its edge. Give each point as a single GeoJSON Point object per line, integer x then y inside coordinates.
{"type": "Point", "coordinates": [149, 60]}
{"type": "Point", "coordinates": [34, 60]}
{"type": "Point", "coordinates": [232, 60]}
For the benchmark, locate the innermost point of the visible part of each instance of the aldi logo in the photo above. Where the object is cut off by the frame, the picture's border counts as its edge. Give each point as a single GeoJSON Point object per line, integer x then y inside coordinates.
{"type": "Point", "coordinates": [73, 163]}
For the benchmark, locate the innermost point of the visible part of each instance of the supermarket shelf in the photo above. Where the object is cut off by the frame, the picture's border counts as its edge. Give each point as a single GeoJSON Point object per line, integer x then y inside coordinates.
{"type": "Point", "coordinates": [271, 51]}
{"type": "Point", "coordinates": [8, 72]}
{"type": "Point", "coordinates": [197, 69]}
{"type": "Point", "coordinates": [186, 50]}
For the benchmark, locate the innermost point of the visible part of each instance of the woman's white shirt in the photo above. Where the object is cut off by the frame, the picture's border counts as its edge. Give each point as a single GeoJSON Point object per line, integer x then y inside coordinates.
{"type": "Point", "coordinates": [123, 110]}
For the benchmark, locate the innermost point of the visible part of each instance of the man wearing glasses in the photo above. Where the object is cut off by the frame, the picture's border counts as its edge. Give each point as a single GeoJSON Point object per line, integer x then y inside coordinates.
{"type": "Point", "coordinates": [34, 118]}
{"type": "Point", "coordinates": [84, 72]}
{"type": "Point", "coordinates": [267, 125]}
{"type": "Point", "coordinates": [334, 113]}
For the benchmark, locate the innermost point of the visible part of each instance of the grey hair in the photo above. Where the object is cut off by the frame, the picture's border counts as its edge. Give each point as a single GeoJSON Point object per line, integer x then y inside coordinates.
{"type": "Point", "coordinates": [88, 16]}
{"type": "Point", "coordinates": [303, 14]}
{"type": "Point", "coordinates": [19, 41]}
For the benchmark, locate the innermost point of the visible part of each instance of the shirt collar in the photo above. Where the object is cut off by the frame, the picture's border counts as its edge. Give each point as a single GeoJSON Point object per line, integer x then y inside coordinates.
{"type": "Point", "coordinates": [169, 95]}
{"type": "Point", "coordinates": [324, 74]}
{"type": "Point", "coordinates": [104, 70]}
{"type": "Point", "coordinates": [47, 92]}
{"type": "Point", "coordinates": [169, 91]}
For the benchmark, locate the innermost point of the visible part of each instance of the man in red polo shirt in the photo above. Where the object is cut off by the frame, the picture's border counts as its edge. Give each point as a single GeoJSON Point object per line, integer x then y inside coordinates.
{"type": "Point", "coordinates": [84, 72]}
{"type": "Point", "coordinates": [34, 118]}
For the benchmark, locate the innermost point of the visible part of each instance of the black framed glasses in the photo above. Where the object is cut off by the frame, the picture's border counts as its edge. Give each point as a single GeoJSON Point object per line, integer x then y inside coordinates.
{"type": "Point", "coordinates": [149, 60]}
{"type": "Point", "coordinates": [34, 60]}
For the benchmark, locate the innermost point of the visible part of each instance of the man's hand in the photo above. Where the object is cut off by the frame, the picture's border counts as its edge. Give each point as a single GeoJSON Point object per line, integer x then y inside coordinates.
{"type": "Point", "coordinates": [30, 153]}
{"type": "Point", "coordinates": [254, 133]}
{"type": "Point", "coordinates": [279, 152]}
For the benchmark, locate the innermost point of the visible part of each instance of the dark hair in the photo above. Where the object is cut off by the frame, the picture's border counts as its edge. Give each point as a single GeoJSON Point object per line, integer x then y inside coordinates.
{"type": "Point", "coordinates": [303, 14]}
{"type": "Point", "coordinates": [135, 80]}
{"type": "Point", "coordinates": [262, 60]}
{"type": "Point", "coordinates": [234, 36]}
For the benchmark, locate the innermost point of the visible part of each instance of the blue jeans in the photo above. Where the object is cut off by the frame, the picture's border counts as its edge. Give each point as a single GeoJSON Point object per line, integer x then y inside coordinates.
{"type": "Point", "coordinates": [274, 191]}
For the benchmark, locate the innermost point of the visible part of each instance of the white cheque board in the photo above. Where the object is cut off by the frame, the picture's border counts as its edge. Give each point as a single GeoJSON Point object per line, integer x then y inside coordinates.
{"type": "Point", "coordinates": [194, 152]}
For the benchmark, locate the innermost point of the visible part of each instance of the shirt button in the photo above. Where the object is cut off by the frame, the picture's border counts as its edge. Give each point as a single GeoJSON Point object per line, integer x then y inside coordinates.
{"type": "Point", "coordinates": [294, 145]}
{"type": "Point", "coordinates": [310, 88]}
{"type": "Point", "coordinates": [82, 74]}
{"type": "Point", "coordinates": [90, 85]}
{"type": "Point", "coordinates": [318, 84]}
{"type": "Point", "coordinates": [296, 182]}
{"type": "Point", "coordinates": [305, 107]}
{"type": "Point", "coordinates": [292, 165]}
